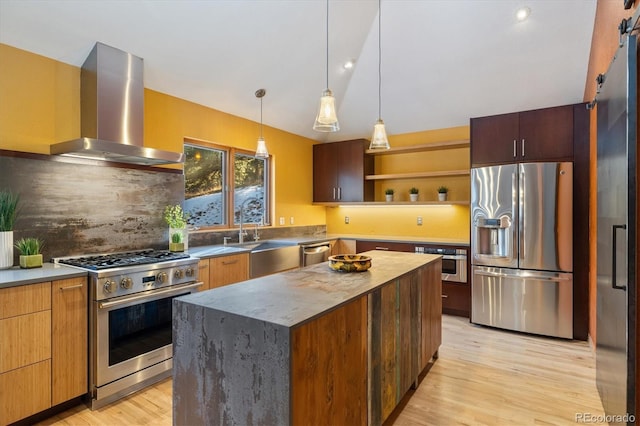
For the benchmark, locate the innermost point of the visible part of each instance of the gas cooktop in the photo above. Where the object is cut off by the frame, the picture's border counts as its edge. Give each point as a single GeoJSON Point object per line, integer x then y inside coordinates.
{"type": "Point", "coordinates": [118, 260]}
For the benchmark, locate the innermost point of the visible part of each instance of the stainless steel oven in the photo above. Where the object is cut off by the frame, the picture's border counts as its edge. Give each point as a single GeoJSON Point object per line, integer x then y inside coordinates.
{"type": "Point", "coordinates": [454, 262]}
{"type": "Point", "coordinates": [130, 319]}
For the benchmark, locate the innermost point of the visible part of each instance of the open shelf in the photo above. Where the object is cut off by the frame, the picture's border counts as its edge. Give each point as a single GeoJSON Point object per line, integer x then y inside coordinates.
{"type": "Point", "coordinates": [394, 203]}
{"type": "Point", "coordinates": [437, 146]}
{"type": "Point", "coordinates": [415, 175]}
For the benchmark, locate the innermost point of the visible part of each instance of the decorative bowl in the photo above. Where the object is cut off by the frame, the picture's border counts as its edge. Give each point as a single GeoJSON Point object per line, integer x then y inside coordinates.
{"type": "Point", "coordinates": [349, 262]}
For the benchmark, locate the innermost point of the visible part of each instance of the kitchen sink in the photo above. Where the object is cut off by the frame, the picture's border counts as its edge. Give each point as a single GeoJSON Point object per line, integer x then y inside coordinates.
{"type": "Point", "coordinates": [269, 257]}
{"type": "Point", "coordinates": [222, 250]}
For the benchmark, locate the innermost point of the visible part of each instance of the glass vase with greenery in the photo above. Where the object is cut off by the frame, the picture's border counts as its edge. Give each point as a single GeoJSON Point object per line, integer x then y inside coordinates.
{"type": "Point", "coordinates": [176, 218]}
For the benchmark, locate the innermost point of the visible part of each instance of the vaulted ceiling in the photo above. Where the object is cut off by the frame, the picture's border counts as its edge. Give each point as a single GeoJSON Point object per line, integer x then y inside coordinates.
{"type": "Point", "coordinates": [442, 61]}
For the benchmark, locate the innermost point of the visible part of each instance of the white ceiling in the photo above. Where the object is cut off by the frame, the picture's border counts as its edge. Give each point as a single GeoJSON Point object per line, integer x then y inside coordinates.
{"type": "Point", "coordinates": [443, 61]}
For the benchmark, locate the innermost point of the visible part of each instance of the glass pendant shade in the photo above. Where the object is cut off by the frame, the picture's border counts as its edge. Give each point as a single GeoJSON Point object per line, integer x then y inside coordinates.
{"type": "Point", "coordinates": [261, 150]}
{"type": "Point", "coordinates": [327, 119]}
{"type": "Point", "coordinates": [379, 138]}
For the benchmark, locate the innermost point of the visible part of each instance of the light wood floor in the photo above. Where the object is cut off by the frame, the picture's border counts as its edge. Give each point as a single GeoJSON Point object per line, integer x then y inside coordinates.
{"type": "Point", "coordinates": [482, 377]}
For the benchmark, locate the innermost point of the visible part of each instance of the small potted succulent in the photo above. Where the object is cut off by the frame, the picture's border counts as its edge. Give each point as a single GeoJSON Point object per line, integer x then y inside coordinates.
{"type": "Point", "coordinates": [388, 193]}
{"type": "Point", "coordinates": [176, 218]}
{"type": "Point", "coordinates": [30, 256]}
{"type": "Point", "coordinates": [442, 193]}
{"type": "Point", "coordinates": [413, 194]}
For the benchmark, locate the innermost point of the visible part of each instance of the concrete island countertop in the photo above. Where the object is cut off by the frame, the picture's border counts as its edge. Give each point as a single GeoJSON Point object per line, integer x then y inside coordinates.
{"type": "Point", "coordinates": [16, 276]}
{"type": "Point", "coordinates": [293, 297]}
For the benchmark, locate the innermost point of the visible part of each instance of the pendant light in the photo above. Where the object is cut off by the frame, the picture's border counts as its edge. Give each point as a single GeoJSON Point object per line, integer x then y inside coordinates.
{"type": "Point", "coordinates": [261, 150]}
{"type": "Point", "coordinates": [379, 138]}
{"type": "Point", "coordinates": [327, 119]}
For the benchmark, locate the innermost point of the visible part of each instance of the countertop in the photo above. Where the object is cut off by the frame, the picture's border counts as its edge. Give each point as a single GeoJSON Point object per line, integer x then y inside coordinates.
{"type": "Point", "coordinates": [209, 251]}
{"type": "Point", "coordinates": [294, 297]}
{"type": "Point", "coordinates": [16, 276]}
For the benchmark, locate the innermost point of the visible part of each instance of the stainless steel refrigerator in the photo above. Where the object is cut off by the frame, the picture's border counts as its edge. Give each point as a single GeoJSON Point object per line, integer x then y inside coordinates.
{"type": "Point", "coordinates": [522, 249]}
{"type": "Point", "coordinates": [617, 221]}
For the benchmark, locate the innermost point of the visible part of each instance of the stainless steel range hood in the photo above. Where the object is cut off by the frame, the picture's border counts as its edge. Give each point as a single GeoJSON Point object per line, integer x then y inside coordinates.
{"type": "Point", "coordinates": [112, 112]}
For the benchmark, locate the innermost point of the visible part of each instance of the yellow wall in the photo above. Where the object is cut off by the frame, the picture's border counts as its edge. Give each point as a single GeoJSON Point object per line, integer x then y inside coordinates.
{"type": "Point", "coordinates": [39, 101]}
{"type": "Point", "coordinates": [40, 105]}
{"type": "Point", "coordinates": [450, 221]}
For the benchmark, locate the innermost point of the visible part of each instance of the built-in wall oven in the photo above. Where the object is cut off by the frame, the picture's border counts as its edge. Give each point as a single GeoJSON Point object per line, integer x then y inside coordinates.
{"type": "Point", "coordinates": [130, 320]}
{"type": "Point", "coordinates": [454, 262]}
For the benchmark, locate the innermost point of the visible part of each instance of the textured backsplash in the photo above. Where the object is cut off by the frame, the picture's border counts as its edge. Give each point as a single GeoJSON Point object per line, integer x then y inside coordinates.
{"type": "Point", "coordinates": [80, 208]}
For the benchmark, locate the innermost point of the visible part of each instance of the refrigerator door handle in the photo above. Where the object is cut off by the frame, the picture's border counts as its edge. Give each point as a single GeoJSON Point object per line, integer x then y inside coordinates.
{"type": "Point", "coordinates": [521, 198]}
{"type": "Point", "coordinates": [523, 277]}
{"type": "Point", "coordinates": [614, 259]}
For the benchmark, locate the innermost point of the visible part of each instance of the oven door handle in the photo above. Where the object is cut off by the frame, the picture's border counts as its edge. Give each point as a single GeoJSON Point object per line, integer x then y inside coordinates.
{"type": "Point", "coordinates": [145, 295]}
{"type": "Point", "coordinates": [454, 257]}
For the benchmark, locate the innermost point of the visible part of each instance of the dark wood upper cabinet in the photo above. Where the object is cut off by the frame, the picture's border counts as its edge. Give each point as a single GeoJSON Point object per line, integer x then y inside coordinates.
{"type": "Point", "coordinates": [339, 170]}
{"type": "Point", "coordinates": [537, 135]}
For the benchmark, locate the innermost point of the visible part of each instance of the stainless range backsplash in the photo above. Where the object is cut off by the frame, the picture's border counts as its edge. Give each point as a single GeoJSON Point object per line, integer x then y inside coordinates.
{"type": "Point", "coordinates": [81, 208]}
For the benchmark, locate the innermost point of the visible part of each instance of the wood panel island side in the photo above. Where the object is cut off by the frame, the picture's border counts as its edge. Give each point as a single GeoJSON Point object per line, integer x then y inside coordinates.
{"type": "Point", "coordinates": [309, 346]}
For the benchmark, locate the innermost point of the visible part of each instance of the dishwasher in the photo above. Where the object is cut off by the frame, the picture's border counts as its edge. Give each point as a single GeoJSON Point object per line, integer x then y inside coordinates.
{"type": "Point", "coordinates": [314, 253]}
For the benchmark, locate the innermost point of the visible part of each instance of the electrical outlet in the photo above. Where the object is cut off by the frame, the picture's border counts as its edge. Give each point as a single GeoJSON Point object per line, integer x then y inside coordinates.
{"type": "Point", "coordinates": [419, 220]}
{"type": "Point", "coordinates": [291, 220]}
{"type": "Point", "coordinates": [346, 220]}
{"type": "Point", "coordinates": [281, 220]}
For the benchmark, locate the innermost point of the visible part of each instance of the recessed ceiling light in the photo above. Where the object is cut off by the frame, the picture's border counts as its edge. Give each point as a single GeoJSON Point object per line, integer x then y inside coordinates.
{"type": "Point", "coordinates": [523, 13]}
{"type": "Point", "coordinates": [349, 64]}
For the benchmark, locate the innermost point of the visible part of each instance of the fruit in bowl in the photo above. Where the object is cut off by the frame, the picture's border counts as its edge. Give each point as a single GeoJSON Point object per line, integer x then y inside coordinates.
{"type": "Point", "coordinates": [349, 262]}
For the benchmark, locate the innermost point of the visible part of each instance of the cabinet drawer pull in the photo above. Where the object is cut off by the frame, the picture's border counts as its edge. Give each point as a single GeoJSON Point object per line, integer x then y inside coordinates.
{"type": "Point", "coordinates": [382, 248]}
{"type": "Point", "coordinates": [71, 287]}
{"type": "Point", "coordinates": [339, 193]}
{"type": "Point", "coordinates": [203, 266]}
{"type": "Point", "coordinates": [523, 147]}
{"type": "Point", "coordinates": [514, 148]}
{"type": "Point", "coordinates": [229, 262]}
{"type": "Point", "coordinates": [444, 296]}
{"type": "Point", "coordinates": [334, 193]}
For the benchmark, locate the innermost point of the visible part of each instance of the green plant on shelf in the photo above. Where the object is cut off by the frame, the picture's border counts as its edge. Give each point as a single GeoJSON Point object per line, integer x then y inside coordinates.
{"type": "Point", "coordinates": [443, 190]}
{"type": "Point", "coordinates": [176, 237]}
{"type": "Point", "coordinates": [389, 191]}
{"type": "Point", "coordinates": [413, 190]}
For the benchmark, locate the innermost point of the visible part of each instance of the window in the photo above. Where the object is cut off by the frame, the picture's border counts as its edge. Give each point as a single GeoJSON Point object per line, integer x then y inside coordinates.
{"type": "Point", "coordinates": [218, 177]}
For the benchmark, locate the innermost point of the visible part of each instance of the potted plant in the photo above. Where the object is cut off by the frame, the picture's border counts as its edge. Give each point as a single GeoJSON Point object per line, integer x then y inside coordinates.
{"type": "Point", "coordinates": [30, 256]}
{"type": "Point", "coordinates": [388, 193]}
{"type": "Point", "coordinates": [176, 218]}
{"type": "Point", "coordinates": [442, 193]}
{"type": "Point", "coordinates": [413, 193]}
{"type": "Point", "coordinates": [8, 213]}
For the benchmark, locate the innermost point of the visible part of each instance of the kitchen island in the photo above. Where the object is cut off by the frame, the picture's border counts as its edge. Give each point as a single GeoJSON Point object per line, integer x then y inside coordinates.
{"type": "Point", "coordinates": [309, 346]}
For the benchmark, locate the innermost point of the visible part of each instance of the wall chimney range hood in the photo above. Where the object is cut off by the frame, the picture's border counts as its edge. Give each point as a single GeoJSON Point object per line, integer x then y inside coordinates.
{"type": "Point", "coordinates": [112, 112]}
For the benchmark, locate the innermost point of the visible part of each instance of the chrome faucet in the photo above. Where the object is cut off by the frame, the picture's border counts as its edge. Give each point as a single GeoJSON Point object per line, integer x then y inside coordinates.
{"type": "Point", "coordinates": [242, 233]}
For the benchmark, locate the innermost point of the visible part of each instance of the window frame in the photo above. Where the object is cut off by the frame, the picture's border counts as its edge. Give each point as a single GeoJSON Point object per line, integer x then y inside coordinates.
{"type": "Point", "coordinates": [229, 183]}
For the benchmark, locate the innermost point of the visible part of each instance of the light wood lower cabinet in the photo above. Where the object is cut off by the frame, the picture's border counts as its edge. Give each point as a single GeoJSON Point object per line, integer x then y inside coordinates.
{"type": "Point", "coordinates": [25, 351]}
{"type": "Point", "coordinates": [69, 347]}
{"type": "Point", "coordinates": [25, 391]}
{"type": "Point", "coordinates": [203, 274]}
{"type": "Point", "coordinates": [228, 269]}
{"type": "Point", "coordinates": [43, 346]}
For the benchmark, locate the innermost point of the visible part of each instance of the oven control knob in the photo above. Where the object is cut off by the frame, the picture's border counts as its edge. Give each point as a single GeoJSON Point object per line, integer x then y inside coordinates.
{"type": "Point", "coordinates": [179, 273]}
{"type": "Point", "coordinates": [190, 272]}
{"type": "Point", "coordinates": [126, 283]}
{"type": "Point", "coordinates": [162, 277]}
{"type": "Point", "coordinates": [109, 286]}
